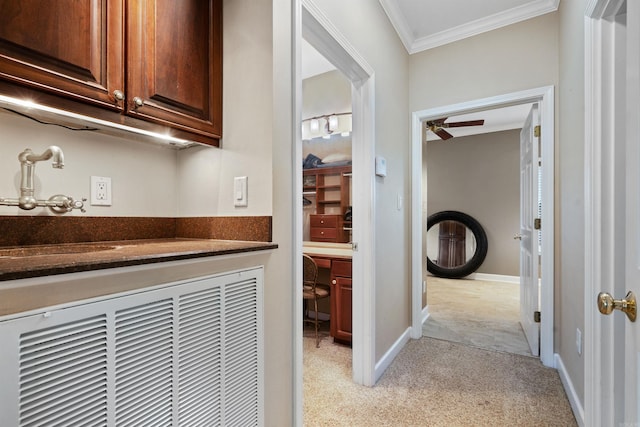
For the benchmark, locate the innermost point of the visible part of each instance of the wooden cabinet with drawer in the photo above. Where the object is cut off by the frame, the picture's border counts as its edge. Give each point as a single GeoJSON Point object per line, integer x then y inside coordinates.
{"type": "Point", "coordinates": [341, 301]}
{"type": "Point", "coordinates": [327, 228]}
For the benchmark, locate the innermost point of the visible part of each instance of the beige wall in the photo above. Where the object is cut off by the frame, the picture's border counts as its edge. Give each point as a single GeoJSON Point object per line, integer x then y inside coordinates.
{"type": "Point", "coordinates": [367, 28]}
{"type": "Point", "coordinates": [569, 295]}
{"type": "Point", "coordinates": [143, 175]}
{"type": "Point", "coordinates": [517, 57]}
{"type": "Point", "coordinates": [326, 93]}
{"type": "Point", "coordinates": [480, 176]}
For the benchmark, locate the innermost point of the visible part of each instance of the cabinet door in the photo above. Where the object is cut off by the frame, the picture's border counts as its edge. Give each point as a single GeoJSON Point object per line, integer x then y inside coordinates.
{"type": "Point", "coordinates": [68, 47]}
{"type": "Point", "coordinates": [341, 299]}
{"type": "Point", "coordinates": [174, 64]}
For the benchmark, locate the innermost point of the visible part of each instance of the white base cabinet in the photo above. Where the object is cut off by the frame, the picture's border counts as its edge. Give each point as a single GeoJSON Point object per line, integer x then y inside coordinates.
{"type": "Point", "coordinates": [181, 354]}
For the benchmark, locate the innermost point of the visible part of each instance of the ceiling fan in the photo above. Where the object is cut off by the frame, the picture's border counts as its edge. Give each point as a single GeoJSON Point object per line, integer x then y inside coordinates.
{"type": "Point", "coordinates": [438, 126]}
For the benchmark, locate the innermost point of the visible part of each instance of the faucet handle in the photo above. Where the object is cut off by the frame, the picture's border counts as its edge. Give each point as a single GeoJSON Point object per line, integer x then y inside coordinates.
{"type": "Point", "coordinates": [78, 204]}
{"type": "Point", "coordinates": [63, 204]}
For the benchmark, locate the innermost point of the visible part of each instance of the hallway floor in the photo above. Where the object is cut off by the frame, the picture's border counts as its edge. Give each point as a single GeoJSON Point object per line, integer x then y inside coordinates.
{"type": "Point", "coordinates": [480, 313]}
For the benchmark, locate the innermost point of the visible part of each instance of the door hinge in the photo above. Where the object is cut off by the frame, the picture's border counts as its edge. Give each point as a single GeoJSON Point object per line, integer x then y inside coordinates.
{"type": "Point", "coordinates": [354, 246]}
{"type": "Point", "coordinates": [536, 316]}
{"type": "Point", "coordinates": [537, 223]}
{"type": "Point", "coordinates": [536, 131]}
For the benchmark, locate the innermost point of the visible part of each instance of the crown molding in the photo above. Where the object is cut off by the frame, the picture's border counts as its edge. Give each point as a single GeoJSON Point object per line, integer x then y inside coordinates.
{"type": "Point", "coordinates": [470, 29]}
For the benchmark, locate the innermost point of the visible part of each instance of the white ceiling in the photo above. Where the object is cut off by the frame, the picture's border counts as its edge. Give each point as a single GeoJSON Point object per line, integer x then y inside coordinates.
{"type": "Point", "coordinates": [425, 24]}
{"type": "Point", "coordinates": [495, 120]}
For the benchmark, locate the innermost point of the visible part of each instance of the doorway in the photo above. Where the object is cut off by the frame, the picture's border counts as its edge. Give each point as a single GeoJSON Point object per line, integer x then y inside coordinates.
{"type": "Point", "coordinates": [322, 35]}
{"type": "Point", "coordinates": [477, 172]}
{"type": "Point", "coordinates": [545, 98]}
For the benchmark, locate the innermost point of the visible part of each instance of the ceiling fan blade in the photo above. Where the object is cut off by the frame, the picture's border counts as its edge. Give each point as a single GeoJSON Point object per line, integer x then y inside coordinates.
{"type": "Point", "coordinates": [462, 124]}
{"type": "Point", "coordinates": [443, 134]}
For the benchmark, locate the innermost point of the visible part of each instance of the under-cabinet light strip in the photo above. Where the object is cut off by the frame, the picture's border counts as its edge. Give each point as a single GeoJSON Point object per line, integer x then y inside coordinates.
{"type": "Point", "coordinates": [32, 105]}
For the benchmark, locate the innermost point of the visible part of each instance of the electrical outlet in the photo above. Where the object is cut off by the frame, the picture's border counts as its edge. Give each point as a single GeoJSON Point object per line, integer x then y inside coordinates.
{"type": "Point", "coordinates": [100, 191]}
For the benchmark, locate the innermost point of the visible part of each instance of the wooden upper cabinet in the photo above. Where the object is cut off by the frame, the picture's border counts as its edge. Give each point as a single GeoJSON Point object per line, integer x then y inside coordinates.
{"type": "Point", "coordinates": [163, 57]}
{"type": "Point", "coordinates": [66, 47]}
{"type": "Point", "coordinates": [173, 63]}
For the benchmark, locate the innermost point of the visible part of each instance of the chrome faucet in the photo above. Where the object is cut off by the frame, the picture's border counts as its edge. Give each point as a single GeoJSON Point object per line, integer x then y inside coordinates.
{"type": "Point", "coordinates": [58, 203]}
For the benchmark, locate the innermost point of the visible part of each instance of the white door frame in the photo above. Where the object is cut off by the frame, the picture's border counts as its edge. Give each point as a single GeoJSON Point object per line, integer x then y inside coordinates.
{"type": "Point", "coordinates": [328, 41]}
{"type": "Point", "coordinates": [544, 96]}
{"type": "Point", "coordinates": [600, 404]}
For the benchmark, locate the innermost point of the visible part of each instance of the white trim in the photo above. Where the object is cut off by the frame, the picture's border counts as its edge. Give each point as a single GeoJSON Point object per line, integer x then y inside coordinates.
{"type": "Point", "coordinates": [425, 315]}
{"type": "Point", "coordinates": [320, 32]}
{"type": "Point", "coordinates": [599, 343]}
{"type": "Point", "coordinates": [391, 354]}
{"type": "Point", "coordinates": [494, 278]}
{"type": "Point", "coordinates": [469, 29]}
{"type": "Point", "coordinates": [544, 96]}
{"type": "Point", "coordinates": [570, 390]}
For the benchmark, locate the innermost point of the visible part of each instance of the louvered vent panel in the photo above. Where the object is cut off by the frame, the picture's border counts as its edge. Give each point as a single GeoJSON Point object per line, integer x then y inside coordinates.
{"type": "Point", "coordinates": [241, 354]}
{"type": "Point", "coordinates": [144, 365]}
{"type": "Point", "coordinates": [199, 359]}
{"type": "Point", "coordinates": [63, 375]}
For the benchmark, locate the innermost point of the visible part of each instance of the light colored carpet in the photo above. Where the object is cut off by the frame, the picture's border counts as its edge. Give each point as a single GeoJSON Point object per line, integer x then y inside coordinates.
{"type": "Point", "coordinates": [433, 383]}
{"type": "Point", "coordinates": [476, 312]}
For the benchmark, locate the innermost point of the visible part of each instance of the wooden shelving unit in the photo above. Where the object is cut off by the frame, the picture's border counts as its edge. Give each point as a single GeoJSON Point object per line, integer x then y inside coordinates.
{"type": "Point", "coordinates": [331, 188]}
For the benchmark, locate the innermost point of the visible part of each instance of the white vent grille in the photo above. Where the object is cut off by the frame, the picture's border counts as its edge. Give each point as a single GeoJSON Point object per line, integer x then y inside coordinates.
{"type": "Point", "coordinates": [241, 354]}
{"type": "Point", "coordinates": [200, 359]}
{"type": "Point", "coordinates": [63, 375]}
{"type": "Point", "coordinates": [184, 354]}
{"type": "Point", "coordinates": [144, 365]}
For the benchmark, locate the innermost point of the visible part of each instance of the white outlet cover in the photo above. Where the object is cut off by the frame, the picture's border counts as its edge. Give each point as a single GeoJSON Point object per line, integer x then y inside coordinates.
{"type": "Point", "coordinates": [100, 191]}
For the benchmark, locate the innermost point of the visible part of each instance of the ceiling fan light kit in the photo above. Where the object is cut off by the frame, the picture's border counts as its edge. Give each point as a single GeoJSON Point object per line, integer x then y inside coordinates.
{"type": "Point", "coordinates": [437, 126]}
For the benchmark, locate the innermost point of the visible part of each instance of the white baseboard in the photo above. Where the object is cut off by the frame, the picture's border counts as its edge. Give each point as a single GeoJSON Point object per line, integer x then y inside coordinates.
{"type": "Point", "coordinates": [576, 406]}
{"type": "Point", "coordinates": [391, 354]}
{"type": "Point", "coordinates": [425, 314]}
{"type": "Point", "coordinates": [494, 278]}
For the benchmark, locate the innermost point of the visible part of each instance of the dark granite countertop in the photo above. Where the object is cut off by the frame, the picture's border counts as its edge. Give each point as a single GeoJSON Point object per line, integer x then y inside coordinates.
{"type": "Point", "coordinates": [37, 261]}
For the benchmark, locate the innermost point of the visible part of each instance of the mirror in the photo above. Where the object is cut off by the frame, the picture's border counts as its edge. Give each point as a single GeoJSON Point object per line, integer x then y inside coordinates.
{"type": "Point", "coordinates": [456, 244]}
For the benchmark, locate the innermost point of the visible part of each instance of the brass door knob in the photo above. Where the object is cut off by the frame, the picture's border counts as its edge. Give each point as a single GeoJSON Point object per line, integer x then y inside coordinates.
{"type": "Point", "coordinates": [138, 102]}
{"type": "Point", "coordinates": [606, 304]}
{"type": "Point", "coordinates": [118, 95]}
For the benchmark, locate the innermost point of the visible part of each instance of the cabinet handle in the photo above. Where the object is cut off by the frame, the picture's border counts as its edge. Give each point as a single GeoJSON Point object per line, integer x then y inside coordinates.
{"type": "Point", "coordinates": [118, 95]}
{"type": "Point", "coordinates": [138, 101]}
{"type": "Point", "coordinates": [334, 281]}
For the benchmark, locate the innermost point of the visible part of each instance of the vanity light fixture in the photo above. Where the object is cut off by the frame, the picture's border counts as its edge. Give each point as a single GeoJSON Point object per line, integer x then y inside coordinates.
{"type": "Point", "coordinates": [332, 123]}
{"type": "Point", "coordinates": [323, 126]}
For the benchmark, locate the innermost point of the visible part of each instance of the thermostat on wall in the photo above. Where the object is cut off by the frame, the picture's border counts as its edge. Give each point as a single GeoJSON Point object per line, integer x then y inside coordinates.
{"type": "Point", "coordinates": [381, 166]}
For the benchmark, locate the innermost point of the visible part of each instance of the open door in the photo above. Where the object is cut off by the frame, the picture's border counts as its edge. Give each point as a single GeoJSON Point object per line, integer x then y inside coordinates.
{"type": "Point", "coordinates": [529, 283]}
{"type": "Point", "coordinates": [612, 270]}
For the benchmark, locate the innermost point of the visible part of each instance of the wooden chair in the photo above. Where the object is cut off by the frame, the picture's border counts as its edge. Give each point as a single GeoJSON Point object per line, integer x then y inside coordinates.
{"type": "Point", "coordinates": [312, 291]}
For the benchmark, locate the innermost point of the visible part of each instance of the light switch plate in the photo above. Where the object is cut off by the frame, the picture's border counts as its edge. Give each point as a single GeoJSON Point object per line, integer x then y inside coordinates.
{"type": "Point", "coordinates": [381, 166]}
{"type": "Point", "coordinates": [240, 191]}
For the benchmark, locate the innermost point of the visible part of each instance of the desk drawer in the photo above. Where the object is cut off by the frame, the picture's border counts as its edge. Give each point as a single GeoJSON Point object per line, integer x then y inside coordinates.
{"type": "Point", "coordinates": [341, 268]}
{"type": "Point", "coordinates": [323, 233]}
{"type": "Point", "coordinates": [322, 262]}
{"type": "Point", "coordinates": [324, 220]}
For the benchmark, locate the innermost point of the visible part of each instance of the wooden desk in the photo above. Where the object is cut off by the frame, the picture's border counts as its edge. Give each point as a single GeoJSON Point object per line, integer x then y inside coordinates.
{"type": "Point", "coordinates": [338, 262]}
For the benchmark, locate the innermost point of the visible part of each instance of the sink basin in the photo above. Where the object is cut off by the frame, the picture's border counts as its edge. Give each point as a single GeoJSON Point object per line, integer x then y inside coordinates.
{"type": "Point", "coordinates": [53, 250]}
